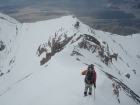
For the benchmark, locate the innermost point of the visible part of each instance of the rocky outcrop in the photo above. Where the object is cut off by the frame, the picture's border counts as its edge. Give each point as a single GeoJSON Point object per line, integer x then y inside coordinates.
{"type": "Point", "coordinates": [1, 74]}
{"type": "Point", "coordinates": [54, 45]}
{"type": "Point", "coordinates": [76, 53]}
{"type": "Point", "coordinates": [127, 75]}
{"type": "Point", "coordinates": [88, 42]}
{"type": "Point", "coordinates": [2, 46]}
{"type": "Point", "coordinates": [119, 86]}
{"type": "Point", "coordinates": [93, 44]}
{"type": "Point", "coordinates": [41, 50]}
{"type": "Point", "coordinates": [92, 39]}
{"type": "Point", "coordinates": [76, 24]}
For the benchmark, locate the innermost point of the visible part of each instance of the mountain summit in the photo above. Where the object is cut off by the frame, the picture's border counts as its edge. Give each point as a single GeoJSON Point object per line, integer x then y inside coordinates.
{"type": "Point", "coordinates": [41, 63]}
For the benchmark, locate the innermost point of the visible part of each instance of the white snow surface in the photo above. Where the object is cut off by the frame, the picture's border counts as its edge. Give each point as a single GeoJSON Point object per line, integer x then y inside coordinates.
{"type": "Point", "coordinates": [59, 81]}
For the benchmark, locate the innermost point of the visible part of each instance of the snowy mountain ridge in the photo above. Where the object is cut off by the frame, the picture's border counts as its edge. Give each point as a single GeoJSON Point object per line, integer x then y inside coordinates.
{"type": "Point", "coordinates": [6, 18]}
{"type": "Point", "coordinates": [41, 64]}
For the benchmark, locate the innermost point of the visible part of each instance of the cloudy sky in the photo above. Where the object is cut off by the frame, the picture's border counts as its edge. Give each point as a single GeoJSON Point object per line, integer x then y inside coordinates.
{"type": "Point", "coordinates": [88, 11]}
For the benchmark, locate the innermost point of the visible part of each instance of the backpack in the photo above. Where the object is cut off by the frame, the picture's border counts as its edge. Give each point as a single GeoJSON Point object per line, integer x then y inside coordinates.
{"type": "Point", "coordinates": [89, 77]}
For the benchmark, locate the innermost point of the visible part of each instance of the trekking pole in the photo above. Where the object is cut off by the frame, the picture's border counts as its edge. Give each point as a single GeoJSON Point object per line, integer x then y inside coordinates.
{"type": "Point", "coordinates": [94, 94]}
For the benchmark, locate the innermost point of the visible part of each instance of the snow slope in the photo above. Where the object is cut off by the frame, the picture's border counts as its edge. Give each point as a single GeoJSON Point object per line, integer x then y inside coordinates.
{"type": "Point", "coordinates": [58, 81]}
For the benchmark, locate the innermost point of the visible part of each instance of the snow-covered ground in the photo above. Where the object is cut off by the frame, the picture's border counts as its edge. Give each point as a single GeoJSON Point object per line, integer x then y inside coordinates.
{"type": "Point", "coordinates": [24, 81]}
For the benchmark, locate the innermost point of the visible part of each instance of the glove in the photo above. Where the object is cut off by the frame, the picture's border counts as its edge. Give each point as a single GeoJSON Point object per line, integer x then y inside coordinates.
{"type": "Point", "coordinates": [94, 85]}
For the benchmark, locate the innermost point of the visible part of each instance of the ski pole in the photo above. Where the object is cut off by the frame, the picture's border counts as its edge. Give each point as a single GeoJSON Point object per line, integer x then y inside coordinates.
{"type": "Point", "coordinates": [94, 94]}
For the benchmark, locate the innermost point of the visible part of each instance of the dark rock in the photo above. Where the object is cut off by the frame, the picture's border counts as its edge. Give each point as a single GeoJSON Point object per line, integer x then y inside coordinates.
{"type": "Point", "coordinates": [134, 71]}
{"type": "Point", "coordinates": [41, 50]}
{"type": "Point", "coordinates": [127, 75]}
{"type": "Point", "coordinates": [92, 39]}
{"type": "Point", "coordinates": [8, 71]}
{"type": "Point", "coordinates": [1, 74]}
{"type": "Point", "coordinates": [2, 46]}
{"type": "Point", "coordinates": [77, 24]}
{"type": "Point", "coordinates": [76, 53]}
{"type": "Point", "coordinates": [128, 91]}
{"type": "Point", "coordinates": [114, 56]}
{"type": "Point", "coordinates": [56, 46]}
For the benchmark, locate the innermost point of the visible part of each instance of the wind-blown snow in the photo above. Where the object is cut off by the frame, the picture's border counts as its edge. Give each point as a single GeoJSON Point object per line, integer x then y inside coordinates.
{"type": "Point", "coordinates": [59, 81]}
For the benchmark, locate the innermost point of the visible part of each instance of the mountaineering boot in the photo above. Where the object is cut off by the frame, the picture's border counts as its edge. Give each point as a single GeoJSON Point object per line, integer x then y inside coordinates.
{"type": "Point", "coordinates": [85, 93]}
{"type": "Point", "coordinates": [90, 93]}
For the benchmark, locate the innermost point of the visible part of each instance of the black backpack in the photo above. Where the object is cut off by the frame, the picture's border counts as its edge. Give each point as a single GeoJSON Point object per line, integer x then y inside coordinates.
{"type": "Point", "coordinates": [89, 77]}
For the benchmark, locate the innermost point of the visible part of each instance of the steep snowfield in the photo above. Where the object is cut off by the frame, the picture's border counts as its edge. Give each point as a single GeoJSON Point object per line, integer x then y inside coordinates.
{"type": "Point", "coordinates": [59, 81]}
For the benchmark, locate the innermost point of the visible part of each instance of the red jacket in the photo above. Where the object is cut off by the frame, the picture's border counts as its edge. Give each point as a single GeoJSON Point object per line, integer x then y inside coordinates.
{"type": "Point", "coordinates": [95, 75]}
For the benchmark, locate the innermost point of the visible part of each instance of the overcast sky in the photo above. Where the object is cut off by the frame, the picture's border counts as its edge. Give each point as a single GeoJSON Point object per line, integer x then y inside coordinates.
{"type": "Point", "coordinates": [35, 10]}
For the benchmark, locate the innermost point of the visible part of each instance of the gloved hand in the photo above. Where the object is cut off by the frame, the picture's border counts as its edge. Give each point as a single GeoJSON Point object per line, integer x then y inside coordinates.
{"type": "Point", "coordinates": [94, 85]}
